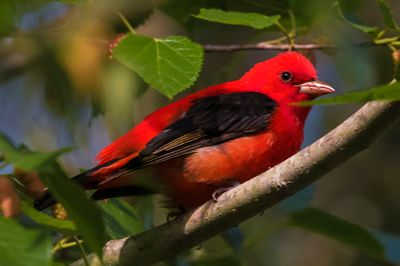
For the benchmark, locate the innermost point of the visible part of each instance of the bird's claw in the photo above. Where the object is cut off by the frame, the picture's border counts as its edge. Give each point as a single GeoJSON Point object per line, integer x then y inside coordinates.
{"type": "Point", "coordinates": [229, 185]}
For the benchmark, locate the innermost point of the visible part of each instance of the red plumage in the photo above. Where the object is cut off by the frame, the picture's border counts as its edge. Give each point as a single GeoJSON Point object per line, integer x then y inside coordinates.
{"type": "Point", "coordinates": [193, 153]}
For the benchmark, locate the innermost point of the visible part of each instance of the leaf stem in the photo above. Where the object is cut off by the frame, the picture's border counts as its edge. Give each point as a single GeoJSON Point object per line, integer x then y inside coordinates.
{"type": "Point", "coordinates": [287, 35]}
{"type": "Point", "coordinates": [392, 48]}
{"type": "Point", "coordinates": [84, 254]}
{"type": "Point", "coordinates": [293, 22]}
{"type": "Point", "coordinates": [62, 245]}
{"type": "Point", "coordinates": [386, 40]}
{"type": "Point", "coordinates": [277, 40]}
{"type": "Point", "coordinates": [126, 22]}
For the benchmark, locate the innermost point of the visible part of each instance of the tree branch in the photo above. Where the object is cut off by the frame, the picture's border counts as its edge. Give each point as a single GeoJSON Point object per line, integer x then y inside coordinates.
{"type": "Point", "coordinates": [278, 47]}
{"type": "Point", "coordinates": [263, 191]}
{"type": "Point", "coordinates": [12, 63]}
{"type": "Point", "coordinates": [263, 46]}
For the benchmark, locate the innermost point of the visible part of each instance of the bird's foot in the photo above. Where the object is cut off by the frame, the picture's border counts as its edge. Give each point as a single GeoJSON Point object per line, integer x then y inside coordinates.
{"type": "Point", "coordinates": [228, 186]}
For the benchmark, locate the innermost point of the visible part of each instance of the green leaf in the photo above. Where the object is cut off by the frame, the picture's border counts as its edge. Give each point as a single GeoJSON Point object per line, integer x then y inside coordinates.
{"type": "Point", "coordinates": [170, 65]}
{"type": "Point", "coordinates": [254, 20]}
{"type": "Point", "coordinates": [121, 219]}
{"type": "Point", "coordinates": [388, 15]}
{"type": "Point", "coordinates": [385, 92]}
{"type": "Point", "coordinates": [24, 159]}
{"type": "Point", "coordinates": [20, 246]}
{"type": "Point", "coordinates": [6, 18]}
{"type": "Point", "coordinates": [48, 221]}
{"type": "Point", "coordinates": [367, 29]}
{"type": "Point", "coordinates": [345, 232]}
{"type": "Point", "coordinates": [83, 212]}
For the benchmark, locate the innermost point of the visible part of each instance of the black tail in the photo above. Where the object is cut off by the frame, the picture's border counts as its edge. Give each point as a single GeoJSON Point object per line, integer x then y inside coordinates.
{"type": "Point", "coordinates": [84, 180]}
{"type": "Point", "coordinates": [133, 190]}
{"type": "Point", "coordinates": [45, 201]}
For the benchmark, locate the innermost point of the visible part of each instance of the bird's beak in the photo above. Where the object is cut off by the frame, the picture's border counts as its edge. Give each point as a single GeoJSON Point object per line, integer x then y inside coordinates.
{"type": "Point", "coordinates": [315, 88]}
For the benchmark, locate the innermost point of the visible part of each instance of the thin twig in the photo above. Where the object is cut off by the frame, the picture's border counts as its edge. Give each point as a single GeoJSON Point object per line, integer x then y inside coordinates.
{"type": "Point", "coordinates": [287, 35]}
{"type": "Point", "coordinates": [82, 249]}
{"type": "Point", "coordinates": [293, 23]}
{"type": "Point", "coordinates": [280, 47]}
{"type": "Point", "coordinates": [63, 244]}
{"type": "Point", "coordinates": [126, 22]}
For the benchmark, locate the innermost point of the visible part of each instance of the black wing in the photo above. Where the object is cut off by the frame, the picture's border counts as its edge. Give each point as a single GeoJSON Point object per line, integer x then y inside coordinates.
{"type": "Point", "coordinates": [209, 121]}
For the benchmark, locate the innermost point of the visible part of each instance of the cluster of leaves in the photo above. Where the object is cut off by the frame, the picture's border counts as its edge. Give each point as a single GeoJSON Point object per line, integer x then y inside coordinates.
{"type": "Point", "coordinates": [171, 65]}
{"type": "Point", "coordinates": [95, 224]}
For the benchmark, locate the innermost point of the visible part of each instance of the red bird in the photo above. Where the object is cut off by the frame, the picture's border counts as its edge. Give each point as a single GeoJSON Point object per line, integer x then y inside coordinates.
{"type": "Point", "coordinates": [211, 139]}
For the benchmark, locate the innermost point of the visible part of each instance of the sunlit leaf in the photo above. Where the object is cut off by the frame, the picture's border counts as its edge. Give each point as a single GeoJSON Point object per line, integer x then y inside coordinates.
{"type": "Point", "coordinates": [254, 20]}
{"type": "Point", "coordinates": [372, 30]}
{"type": "Point", "coordinates": [387, 13]}
{"type": "Point", "coordinates": [182, 11]}
{"type": "Point", "coordinates": [385, 92]}
{"type": "Point", "coordinates": [20, 246]}
{"type": "Point", "coordinates": [170, 65]}
{"type": "Point", "coordinates": [331, 226]}
{"type": "Point", "coordinates": [25, 159]}
{"type": "Point", "coordinates": [121, 219]}
{"type": "Point", "coordinates": [83, 212]}
{"type": "Point", "coordinates": [48, 221]}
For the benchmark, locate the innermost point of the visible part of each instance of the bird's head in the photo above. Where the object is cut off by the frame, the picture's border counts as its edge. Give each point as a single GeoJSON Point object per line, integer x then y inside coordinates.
{"type": "Point", "coordinates": [289, 76]}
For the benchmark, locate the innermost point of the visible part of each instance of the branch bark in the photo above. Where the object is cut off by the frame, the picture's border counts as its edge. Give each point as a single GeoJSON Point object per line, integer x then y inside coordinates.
{"type": "Point", "coordinates": [277, 47]}
{"type": "Point", "coordinates": [263, 191]}
{"type": "Point", "coordinates": [264, 46]}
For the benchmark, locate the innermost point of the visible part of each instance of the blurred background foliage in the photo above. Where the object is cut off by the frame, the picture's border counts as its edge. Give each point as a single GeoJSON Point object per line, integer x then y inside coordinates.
{"type": "Point", "coordinates": [60, 86]}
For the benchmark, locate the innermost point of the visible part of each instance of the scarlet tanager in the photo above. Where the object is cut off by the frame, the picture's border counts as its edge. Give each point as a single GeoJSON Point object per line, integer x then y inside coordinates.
{"type": "Point", "coordinates": [211, 139]}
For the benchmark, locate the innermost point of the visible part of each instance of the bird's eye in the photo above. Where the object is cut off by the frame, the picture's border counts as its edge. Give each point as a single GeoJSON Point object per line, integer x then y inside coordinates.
{"type": "Point", "coordinates": [286, 76]}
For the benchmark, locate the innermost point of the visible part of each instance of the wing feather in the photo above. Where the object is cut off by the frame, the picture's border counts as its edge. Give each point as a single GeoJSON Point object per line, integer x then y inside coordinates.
{"type": "Point", "coordinates": [209, 121]}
